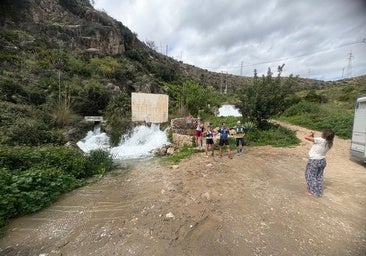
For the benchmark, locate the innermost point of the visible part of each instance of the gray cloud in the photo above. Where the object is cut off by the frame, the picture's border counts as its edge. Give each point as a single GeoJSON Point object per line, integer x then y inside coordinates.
{"type": "Point", "coordinates": [313, 38]}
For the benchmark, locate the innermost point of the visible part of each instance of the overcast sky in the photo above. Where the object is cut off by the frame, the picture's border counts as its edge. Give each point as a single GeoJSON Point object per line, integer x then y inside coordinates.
{"type": "Point", "coordinates": [318, 39]}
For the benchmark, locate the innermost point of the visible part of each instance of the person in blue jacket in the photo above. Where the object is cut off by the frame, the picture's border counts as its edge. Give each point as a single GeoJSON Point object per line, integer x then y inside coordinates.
{"type": "Point", "coordinates": [224, 139]}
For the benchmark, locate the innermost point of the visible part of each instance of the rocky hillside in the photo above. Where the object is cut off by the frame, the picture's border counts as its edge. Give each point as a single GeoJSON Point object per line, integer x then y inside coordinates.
{"type": "Point", "coordinates": [75, 25]}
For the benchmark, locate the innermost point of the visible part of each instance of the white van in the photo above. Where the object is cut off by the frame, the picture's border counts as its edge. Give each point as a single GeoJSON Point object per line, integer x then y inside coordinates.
{"type": "Point", "coordinates": [358, 142]}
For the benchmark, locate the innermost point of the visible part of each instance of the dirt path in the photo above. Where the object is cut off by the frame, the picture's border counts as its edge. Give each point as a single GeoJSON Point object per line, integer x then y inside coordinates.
{"type": "Point", "coordinates": [254, 204]}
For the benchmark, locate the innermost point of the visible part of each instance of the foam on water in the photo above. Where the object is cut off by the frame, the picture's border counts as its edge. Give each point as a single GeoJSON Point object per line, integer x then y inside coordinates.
{"type": "Point", "coordinates": [143, 141]}
{"type": "Point", "coordinates": [229, 110]}
{"type": "Point", "coordinates": [140, 144]}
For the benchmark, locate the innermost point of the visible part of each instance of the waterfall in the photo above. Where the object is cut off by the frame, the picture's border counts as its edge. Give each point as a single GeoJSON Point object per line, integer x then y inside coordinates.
{"type": "Point", "coordinates": [229, 110]}
{"type": "Point", "coordinates": [140, 144]}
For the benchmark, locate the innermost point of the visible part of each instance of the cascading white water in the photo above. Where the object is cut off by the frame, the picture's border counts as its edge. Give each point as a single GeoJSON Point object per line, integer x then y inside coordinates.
{"type": "Point", "coordinates": [94, 140]}
{"type": "Point", "coordinates": [140, 144]}
{"type": "Point", "coordinates": [143, 141]}
{"type": "Point", "coordinates": [228, 110]}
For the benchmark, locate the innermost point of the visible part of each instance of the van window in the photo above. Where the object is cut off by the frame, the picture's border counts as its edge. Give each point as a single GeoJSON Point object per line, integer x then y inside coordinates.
{"type": "Point", "coordinates": [361, 105]}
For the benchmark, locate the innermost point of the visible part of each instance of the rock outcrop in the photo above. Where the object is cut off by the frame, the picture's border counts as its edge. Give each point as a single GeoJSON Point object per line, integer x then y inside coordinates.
{"type": "Point", "coordinates": [72, 23]}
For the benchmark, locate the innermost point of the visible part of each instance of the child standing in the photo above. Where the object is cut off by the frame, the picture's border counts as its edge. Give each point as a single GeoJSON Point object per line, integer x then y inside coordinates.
{"type": "Point", "coordinates": [209, 140]}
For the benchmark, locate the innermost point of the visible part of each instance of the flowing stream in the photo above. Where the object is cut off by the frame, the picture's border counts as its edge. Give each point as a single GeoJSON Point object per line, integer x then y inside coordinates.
{"type": "Point", "coordinates": [141, 143]}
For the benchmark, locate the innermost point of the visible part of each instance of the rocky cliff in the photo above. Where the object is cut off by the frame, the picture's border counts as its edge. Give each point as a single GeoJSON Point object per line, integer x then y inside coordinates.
{"type": "Point", "coordinates": [71, 23]}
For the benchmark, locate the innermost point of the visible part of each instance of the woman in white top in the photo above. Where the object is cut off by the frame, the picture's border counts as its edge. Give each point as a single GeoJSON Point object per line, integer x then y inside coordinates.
{"type": "Point", "coordinates": [317, 161]}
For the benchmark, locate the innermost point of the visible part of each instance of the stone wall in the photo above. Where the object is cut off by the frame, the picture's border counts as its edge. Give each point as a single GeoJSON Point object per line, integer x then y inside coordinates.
{"type": "Point", "coordinates": [180, 140]}
{"type": "Point", "coordinates": [183, 125]}
{"type": "Point", "coordinates": [183, 131]}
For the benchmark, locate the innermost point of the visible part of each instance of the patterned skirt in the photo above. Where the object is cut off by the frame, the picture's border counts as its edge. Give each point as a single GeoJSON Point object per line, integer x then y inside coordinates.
{"type": "Point", "coordinates": [314, 175]}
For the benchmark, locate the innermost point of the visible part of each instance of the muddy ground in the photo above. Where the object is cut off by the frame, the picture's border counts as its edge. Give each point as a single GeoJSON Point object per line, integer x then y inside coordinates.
{"type": "Point", "coordinates": [253, 204]}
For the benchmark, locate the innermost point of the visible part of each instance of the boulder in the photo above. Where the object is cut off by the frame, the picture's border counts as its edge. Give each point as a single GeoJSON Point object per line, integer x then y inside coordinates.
{"type": "Point", "coordinates": [170, 151]}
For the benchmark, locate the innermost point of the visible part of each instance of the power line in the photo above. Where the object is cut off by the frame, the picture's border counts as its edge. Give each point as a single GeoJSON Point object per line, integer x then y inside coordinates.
{"type": "Point", "coordinates": [284, 59]}
{"type": "Point", "coordinates": [349, 67]}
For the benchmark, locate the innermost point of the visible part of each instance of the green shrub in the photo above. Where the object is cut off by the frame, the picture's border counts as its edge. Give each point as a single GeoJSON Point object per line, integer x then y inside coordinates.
{"type": "Point", "coordinates": [340, 123]}
{"type": "Point", "coordinates": [25, 131]}
{"type": "Point", "coordinates": [133, 55]}
{"type": "Point", "coordinates": [106, 66]}
{"type": "Point", "coordinates": [68, 160]}
{"type": "Point", "coordinates": [274, 135]}
{"type": "Point", "coordinates": [316, 116]}
{"type": "Point", "coordinates": [301, 108]}
{"type": "Point", "coordinates": [312, 96]}
{"type": "Point", "coordinates": [31, 178]}
{"type": "Point", "coordinates": [99, 162]}
{"type": "Point", "coordinates": [7, 200]}
{"type": "Point", "coordinates": [26, 125]}
{"type": "Point", "coordinates": [29, 191]}
{"type": "Point", "coordinates": [34, 189]}
{"type": "Point", "coordinates": [21, 158]}
{"type": "Point", "coordinates": [62, 114]}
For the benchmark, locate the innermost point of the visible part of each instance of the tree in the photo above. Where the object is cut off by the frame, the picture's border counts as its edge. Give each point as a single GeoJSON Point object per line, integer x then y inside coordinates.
{"type": "Point", "coordinates": [265, 97]}
{"type": "Point", "coordinates": [192, 97]}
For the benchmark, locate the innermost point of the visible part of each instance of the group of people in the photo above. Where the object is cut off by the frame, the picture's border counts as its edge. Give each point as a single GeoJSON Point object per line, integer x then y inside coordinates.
{"type": "Point", "coordinates": [314, 171]}
{"type": "Point", "coordinates": [238, 131]}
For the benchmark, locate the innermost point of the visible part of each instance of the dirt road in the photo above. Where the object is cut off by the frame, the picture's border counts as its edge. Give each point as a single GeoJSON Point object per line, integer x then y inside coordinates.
{"type": "Point", "coordinates": [254, 204]}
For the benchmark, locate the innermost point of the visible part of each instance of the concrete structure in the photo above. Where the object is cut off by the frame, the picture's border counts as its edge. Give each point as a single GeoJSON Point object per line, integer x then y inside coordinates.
{"type": "Point", "coordinates": [94, 119]}
{"type": "Point", "coordinates": [150, 108]}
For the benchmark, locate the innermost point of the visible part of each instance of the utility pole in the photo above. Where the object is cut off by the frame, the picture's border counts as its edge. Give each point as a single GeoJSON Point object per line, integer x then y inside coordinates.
{"type": "Point", "coordinates": [221, 81]}
{"type": "Point", "coordinates": [225, 82]}
{"type": "Point", "coordinates": [349, 67]}
{"type": "Point", "coordinates": [241, 68]}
